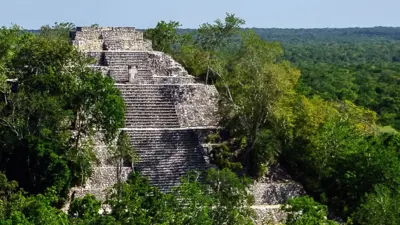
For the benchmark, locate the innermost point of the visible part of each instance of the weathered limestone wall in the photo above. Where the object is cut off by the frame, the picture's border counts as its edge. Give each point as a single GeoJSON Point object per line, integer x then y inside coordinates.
{"type": "Point", "coordinates": [276, 187]}
{"type": "Point", "coordinates": [89, 29]}
{"type": "Point", "coordinates": [109, 38]}
{"type": "Point", "coordinates": [159, 64]}
{"type": "Point", "coordinates": [164, 65]}
{"type": "Point", "coordinates": [269, 215]}
{"type": "Point", "coordinates": [276, 192]}
{"type": "Point", "coordinates": [273, 191]}
{"type": "Point", "coordinates": [196, 105]}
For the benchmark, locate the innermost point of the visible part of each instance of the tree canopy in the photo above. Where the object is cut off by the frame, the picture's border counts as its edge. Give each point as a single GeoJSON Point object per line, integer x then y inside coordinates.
{"type": "Point", "coordinates": [51, 105]}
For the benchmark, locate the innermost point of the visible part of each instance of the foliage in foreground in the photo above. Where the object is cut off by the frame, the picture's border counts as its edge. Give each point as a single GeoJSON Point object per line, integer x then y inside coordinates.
{"type": "Point", "coordinates": [305, 211]}
{"type": "Point", "coordinates": [50, 110]}
{"type": "Point", "coordinates": [221, 199]}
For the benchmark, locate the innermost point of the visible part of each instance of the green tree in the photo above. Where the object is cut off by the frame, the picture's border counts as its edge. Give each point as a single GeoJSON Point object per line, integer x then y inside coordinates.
{"type": "Point", "coordinates": [58, 30]}
{"type": "Point", "coordinates": [212, 38]}
{"type": "Point", "coordinates": [49, 117]}
{"type": "Point", "coordinates": [18, 208]}
{"type": "Point", "coordinates": [86, 210]}
{"type": "Point", "coordinates": [380, 207]}
{"type": "Point", "coordinates": [195, 203]}
{"type": "Point", "coordinates": [137, 202]}
{"type": "Point", "coordinates": [123, 153]}
{"type": "Point", "coordinates": [256, 93]}
{"type": "Point", "coordinates": [164, 36]}
{"type": "Point", "coordinates": [305, 211]}
{"type": "Point", "coordinates": [231, 199]}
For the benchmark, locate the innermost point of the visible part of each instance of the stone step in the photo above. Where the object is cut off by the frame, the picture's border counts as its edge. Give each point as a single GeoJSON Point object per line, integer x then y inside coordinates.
{"type": "Point", "coordinates": [142, 64]}
{"type": "Point", "coordinates": [159, 116]}
{"type": "Point", "coordinates": [148, 101]}
{"type": "Point", "coordinates": [164, 121]}
{"type": "Point", "coordinates": [117, 55]}
{"type": "Point", "coordinates": [135, 112]}
{"type": "Point", "coordinates": [151, 106]}
{"type": "Point", "coordinates": [148, 107]}
{"type": "Point", "coordinates": [162, 138]}
{"type": "Point", "coordinates": [153, 148]}
{"type": "Point", "coordinates": [178, 151]}
{"type": "Point", "coordinates": [150, 125]}
{"type": "Point", "coordinates": [171, 121]}
{"type": "Point", "coordinates": [164, 176]}
{"type": "Point", "coordinates": [178, 141]}
{"type": "Point", "coordinates": [164, 165]}
{"type": "Point", "coordinates": [146, 125]}
{"type": "Point", "coordinates": [160, 100]}
{"type": "Point", "coordinates": [142, 95]}
{"type": "Point", "coordinates": [169, 155]}
{"type": "Point", "coordinates": [146, 87]}
{"type": "Point", "coordinates": [171, 150]}
{"type": "Point", "coordinates": [151, 112]}
{"type": "Point", "coordinates": [152, 119]}
{"type": "Point", "coordinates": [136, 109]}
{"type": "Point", "coordinates": [273, 193]}
{"type": "Point", "coordinates": [144, 113]}
{"type": "Point", "coordinates": [166, 155]}
{"type": "Point", "coordinates": [162, 148]}
{"type": "Point", "coordinates": [141, 133]}
{"type": "Point", "coordinates": [157, 139]}
{"type": "Point", "coordinates": [172, 177]}
{"type": "Point", "coordinates": [138, 124]}
{"type": "Point", "coordinates": [161, 156]}
{"type": "Point", "coordinates": [103, 177]}
{"type": "Point", "coordinates": [167, 177]}
{"type": "Point", "coordinates": [145, 92]}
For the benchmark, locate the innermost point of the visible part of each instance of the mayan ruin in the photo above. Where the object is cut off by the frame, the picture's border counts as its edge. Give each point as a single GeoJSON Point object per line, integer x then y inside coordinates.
{"type": "Point", "coordinates": [167, 111]}
{"type": "Point", "coordinates": [168, 115]}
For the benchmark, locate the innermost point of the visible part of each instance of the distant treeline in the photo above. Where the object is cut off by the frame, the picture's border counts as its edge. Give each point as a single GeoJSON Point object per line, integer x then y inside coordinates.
{"type": "Point", "coordinates": [342, 35]}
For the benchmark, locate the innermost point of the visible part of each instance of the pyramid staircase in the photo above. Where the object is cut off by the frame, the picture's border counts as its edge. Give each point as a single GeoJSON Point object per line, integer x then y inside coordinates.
{"type": "Point", "coordinates": [153, 87]}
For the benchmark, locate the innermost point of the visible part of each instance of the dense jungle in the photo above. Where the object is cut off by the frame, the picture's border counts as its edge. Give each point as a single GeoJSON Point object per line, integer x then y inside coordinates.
{"type": "Point", "coordinates": [322, 103]}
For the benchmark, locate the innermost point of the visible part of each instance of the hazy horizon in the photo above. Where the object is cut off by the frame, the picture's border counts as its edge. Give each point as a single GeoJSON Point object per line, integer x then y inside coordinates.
{"type": "Point", "coordinates": [287, 14]}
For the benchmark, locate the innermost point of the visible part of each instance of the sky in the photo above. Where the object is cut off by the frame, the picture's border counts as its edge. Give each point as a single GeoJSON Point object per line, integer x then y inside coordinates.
{"type": "Point", "coordinates": [31, 14]}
